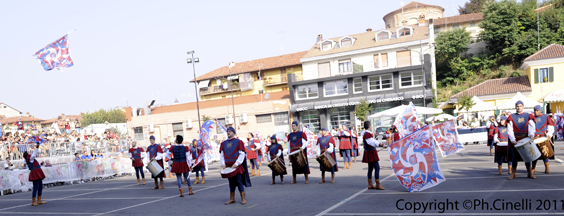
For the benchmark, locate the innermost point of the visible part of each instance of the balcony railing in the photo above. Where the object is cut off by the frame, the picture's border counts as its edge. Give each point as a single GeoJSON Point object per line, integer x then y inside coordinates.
{"type": "Point", "coordinates": [277, 80]}
{"type": "Point", "coordinates": [219, 89]}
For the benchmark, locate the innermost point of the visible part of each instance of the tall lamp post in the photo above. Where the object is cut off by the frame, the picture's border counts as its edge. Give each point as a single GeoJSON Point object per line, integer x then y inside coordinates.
{"type": "Point", "coordinates": [231, 65]}
{"type": "Point", "coordinates": [194, 61]}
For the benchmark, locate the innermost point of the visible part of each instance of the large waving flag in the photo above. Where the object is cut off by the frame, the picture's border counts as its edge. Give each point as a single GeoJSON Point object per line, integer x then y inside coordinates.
{"type": "Point", "coordinates": [203, 142]}
{"type": "Point", "coordinates": [446, 138]}
{"type": "Point", "coordinates": [222, 128]}
{"type": "Point", "coordinates": [406, 121]}
{"type": "Point", "coordinates": [311, 140]}
{"type": "Point", "coordinates": [414, 161]}
{"type": "Point", "coordinates": [55, 55]}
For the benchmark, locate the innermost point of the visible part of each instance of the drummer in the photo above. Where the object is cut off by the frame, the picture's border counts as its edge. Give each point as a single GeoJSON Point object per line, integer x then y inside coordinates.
{"type": "Point", "coordinates": [544, 128]}
{"type": "Point", "coordinates": [201, 166]}
{"type": "Point", "coordinates": [354, 140]}
{"type": "Point", "coordinates": [326, 143]}
{"type": "Point", "coordinates": [155, 153]}
{"type": "Point", "coordinates": [252, 153]}
{"type": "Point", "coordinates": [276, 150]}
{"type": "Point", "coordinates": [491, 126]}
{"type": "Point", "coordinates": [519, 126]}
{"type": "Point", "coordinates": [371, 156]}
{"type": "Point", "coordinates": [136, 155]}
{"type": "Point", "coordinates": [181, 157]}
{"type": "Point", "coordinates": [345, 147]}
{"type": "Point", "coordinates": [298, 140]}
{"type": "Point", "coordinates": [501, 151]}
{"type": "Point", "coordinates": [233, 155]}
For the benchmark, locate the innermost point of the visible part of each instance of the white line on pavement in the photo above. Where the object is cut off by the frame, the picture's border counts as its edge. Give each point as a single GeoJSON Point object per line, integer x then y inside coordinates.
{"type": "Point", "coordinates": [472, 191]}
{"type": "Point", "coordinates": [350, 198]}
{"type": "Point", "coordinates": [47, 213]}
{"type": "Point", "coordinates": [396, 213]}
{"type": "Point", "coordinates": [103, 198]}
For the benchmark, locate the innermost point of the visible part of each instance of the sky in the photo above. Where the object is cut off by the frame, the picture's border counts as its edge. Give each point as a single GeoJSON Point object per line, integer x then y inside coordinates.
{"type": "Point", "coordinates": [126, 53]}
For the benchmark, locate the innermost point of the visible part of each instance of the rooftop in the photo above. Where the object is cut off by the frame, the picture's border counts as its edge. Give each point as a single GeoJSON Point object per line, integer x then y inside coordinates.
{"type": "Point", "coordinates": [11, 120]}
{"type": "Point", "coordinates": [458, 19]}
{"type": "Point", "coordinates": [412, 5]}
{"type": "Point", "coordinates": [551, 51]}
{"type": "Point", "coordinates": [498, 86]}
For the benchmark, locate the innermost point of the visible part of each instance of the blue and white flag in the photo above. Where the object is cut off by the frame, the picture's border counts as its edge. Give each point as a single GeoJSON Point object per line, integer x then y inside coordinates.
{"type": "Point", "coordinates": [55, 55]}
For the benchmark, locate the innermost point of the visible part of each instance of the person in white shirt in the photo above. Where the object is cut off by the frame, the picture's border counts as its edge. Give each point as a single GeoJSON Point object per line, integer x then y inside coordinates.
{"type": "Point", "coordinates": [475, 123]}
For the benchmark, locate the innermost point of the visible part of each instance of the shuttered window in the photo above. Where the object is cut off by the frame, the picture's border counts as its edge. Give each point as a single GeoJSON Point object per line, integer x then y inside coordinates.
{"type": "Point", "coordinates": [324, 70]}
{"type": "Point", "coordinates": [384, 58]}
{"type": "Point", "coordinates": [404, 58]}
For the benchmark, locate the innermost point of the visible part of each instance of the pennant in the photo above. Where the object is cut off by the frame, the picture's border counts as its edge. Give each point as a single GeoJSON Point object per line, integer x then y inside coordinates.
{"type": "Point", "coordinates": [445, 136]}
{"type": "Point", "coordinates": [414, 161]}
{"type": "Point", "coordinates": [406, 121]}
{"type": "Point", "coordinates": [55, 55]}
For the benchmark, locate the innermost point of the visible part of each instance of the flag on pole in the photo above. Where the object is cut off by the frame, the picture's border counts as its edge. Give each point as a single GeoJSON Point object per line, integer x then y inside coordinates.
{"type": "Point", "coordinates": [203, 142]}
{"type": "Point", "coordinates": [55, 55]}
{"type": "Point", "coordinates": [414, 161]}
{"type": "Point", "coordinates": [311, 140]}
{"type": "Point", "coordinates": [406, 121]}
{"type": "Point", "coordinates": [446, 138]}
{"type": "Point", "coordinates": [222, 128]}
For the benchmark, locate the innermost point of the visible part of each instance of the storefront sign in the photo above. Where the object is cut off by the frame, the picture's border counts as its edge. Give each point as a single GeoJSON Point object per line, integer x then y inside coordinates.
{"type": "Point", "coordinates": [301, 109]}
{"type": "Point", "coordinates": [385, 100]}
{"type": "Point", "coordinates": [418, 96]}
{"type": "Point", "coordinates": [336, 105]}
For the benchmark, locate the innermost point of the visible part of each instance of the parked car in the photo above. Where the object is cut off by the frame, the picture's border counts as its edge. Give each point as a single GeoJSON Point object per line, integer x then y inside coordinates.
{"type": "Point", "coordinates": [380, 132]}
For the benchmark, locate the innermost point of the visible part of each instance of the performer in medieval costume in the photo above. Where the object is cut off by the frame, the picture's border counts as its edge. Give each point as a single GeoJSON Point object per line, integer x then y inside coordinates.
{"type": "Point", "coordinates": [370, 156]}
{"type": "Point", "coordinates": [136, 155]}
{"type": "Point", "coordinates": [519, 126]}
{"type": "Point", "coordinates": [298, 140]}
{"type": "Point", "coordinates": [200, 167]}
{"type": "Point", "coordinates": [252, 153]}
{"type": "Point", "coordinates": [155, 153]}
{"type": "Point", "coordinates": [35, 175]}
{"type": "Point", "coordinates": [276, 150]}
{"type": "Point", "coordinates": [354, 139]}
{"type": "Point", "coordinates": [501, 135]}
{"type": "Point", "coordinates": [181, 162]}
{"type": "Point", "coordinates": [491, 126]}
{"type": "Point", "coordinates": [232, 153]}
{"type": "Point", "coordinates": [326, 143]}
{"type": "Point", "coordinates": [259, 144]}
{"type": "Point", "coordinates": [544, 128]}
{"type": "Point", "coordinates": [345, 146]}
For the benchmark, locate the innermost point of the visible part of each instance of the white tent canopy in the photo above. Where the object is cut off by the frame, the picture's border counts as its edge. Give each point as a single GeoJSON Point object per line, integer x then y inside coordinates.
{"type": "Point", "coordinates": [510, 104]}
{"type": "Point", "coordinates": [555, 96]}
{"type": "Point", "coordinates": [440, 117]}
{"type": "Point", "coordinates": [393, 112]}
{"type": "Point", "coordinates": [479, 106]}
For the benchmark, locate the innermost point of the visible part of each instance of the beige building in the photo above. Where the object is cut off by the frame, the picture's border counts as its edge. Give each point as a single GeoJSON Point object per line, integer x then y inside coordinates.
{"type": "Point", "coordinates": [469, 21]}
{"type": "Point", "coordinates": [7, 111]}
{"type": "Point", "coordinates": [412, 14]}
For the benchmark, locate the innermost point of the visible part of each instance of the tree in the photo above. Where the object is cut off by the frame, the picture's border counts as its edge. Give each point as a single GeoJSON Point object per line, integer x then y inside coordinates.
{"type": "Point", "coordinates": [362, 110]}
{"type": "Point", "coordinates": [205, 118]}
{"type": "Point", "coordinates": [465, 102]}
{"type": "Point", "coordinates": [450, 46]}
{"type": "Point", "coordinates": [473, 6]}
{"type": "Point", "coordinates": [500, 24]}
{"type": "Point", "coordinates": [102, 115]}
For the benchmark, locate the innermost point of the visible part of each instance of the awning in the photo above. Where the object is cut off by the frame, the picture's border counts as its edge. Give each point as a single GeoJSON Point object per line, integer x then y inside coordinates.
{"type": "Point", "coordinates": [510, 104]}
{"type": "Point", "coordinates": [555, 96]}
{"type": "Point", "coordinates": [479, 106]}
{"type": "Point", "coordinates": [203, 84]}
{"type": "Point", "coordinates": [301, 107]}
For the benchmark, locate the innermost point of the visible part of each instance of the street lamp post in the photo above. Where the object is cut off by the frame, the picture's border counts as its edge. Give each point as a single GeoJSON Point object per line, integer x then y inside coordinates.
{"type": "Point", "coordinates": [232, 64]}
{"type": "Point", "coordinates": [194, 61]}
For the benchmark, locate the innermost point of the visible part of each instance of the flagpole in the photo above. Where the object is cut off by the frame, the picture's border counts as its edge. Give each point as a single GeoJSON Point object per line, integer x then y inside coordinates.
{"type": "Point", "coordinates": [71, 31]}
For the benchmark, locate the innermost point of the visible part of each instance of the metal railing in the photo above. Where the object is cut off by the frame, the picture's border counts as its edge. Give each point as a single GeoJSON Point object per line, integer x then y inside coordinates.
{"type": "Point", "coordinates": [277, 80]}
{"type": "Point", "coordinates": [219, 89]}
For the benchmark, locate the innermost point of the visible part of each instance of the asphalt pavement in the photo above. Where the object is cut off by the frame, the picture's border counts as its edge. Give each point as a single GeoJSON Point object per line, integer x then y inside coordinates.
{"type": "Point", "coordinates": [471, 188]}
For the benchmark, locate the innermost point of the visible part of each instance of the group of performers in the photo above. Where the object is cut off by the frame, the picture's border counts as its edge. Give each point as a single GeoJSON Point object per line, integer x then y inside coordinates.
{"type": "Point", "coordinates": [506, 133]}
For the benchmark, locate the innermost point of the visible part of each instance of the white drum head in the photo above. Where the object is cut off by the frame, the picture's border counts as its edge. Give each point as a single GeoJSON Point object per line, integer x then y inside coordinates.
{"type": "Point", "coordinates": [295, 152]}
{"type": "Point", "coordinates": [541, 140]}
{"type": "Point", "coordinates": [502, 144]}
{"type": "Point", "coordinates": [227, 170]}
{"type": "Point", "coordinates": [523, 142]}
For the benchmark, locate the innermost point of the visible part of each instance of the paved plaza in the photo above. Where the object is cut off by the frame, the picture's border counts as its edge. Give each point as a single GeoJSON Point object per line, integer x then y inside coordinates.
{"type": "Point", "coordinates": [472, 188]}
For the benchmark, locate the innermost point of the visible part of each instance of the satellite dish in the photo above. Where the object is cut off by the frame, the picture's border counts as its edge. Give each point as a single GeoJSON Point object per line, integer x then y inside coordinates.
{"type": "Point", "coordinates": [266, 96]}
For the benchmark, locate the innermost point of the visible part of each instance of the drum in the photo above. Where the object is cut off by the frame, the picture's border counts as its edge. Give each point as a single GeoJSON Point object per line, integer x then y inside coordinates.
{"type": "Point", "coordinates": [527, 149]}
{"type": "Point", "coordinates": [277, 166]}
{"type": "Point", "coordinates": [545, 148]}
{"type": "Point", "coordinates": [326, 161]}
{"type": "Point", "coordinates": [154, 168]}
{"type": "Point", "coordinates": [502, 144]}
{"type": "Point", "coordinates": [297, 157]}
{"type": "Point", "coordinates": [228, 172]}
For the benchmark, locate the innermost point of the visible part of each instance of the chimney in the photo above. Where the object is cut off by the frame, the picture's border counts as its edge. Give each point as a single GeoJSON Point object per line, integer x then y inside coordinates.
{"type": "Point", "coordinates": [368, 30]}
{"type": "Point", "coordinates": [319, 38]}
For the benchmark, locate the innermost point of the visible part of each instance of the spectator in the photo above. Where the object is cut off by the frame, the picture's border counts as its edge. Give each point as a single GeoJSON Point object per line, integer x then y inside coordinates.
{"type": "Point", "coordinates": [1, 131]}
{"type": "Point", "coordinates": [475, 123]}
{"type": "Point", "coordinates": [61, 126]}
{"type": "Point", "coordinates": [8, 165]}
{"type": "Point", "coordinates": [19, 125]}
{"type": "Point", "coordinates": [76, 157]}
{"type": "Point", "coordinates": [100, 155]}
{"type": "Point", "coordinates": [77, 126]}
{"type": "Point", "coordinates": [107, 127]}
{"type": "Point", "coordinates": [33, 128]}
{"type": "Point", "coordinates": [93, 154]}
{"type": "Point", "coordinates": [55, 127]}
{"type": "Point", "coordinates": [86, 157]}
{"type": "Point", "coordinates": [67, 127]}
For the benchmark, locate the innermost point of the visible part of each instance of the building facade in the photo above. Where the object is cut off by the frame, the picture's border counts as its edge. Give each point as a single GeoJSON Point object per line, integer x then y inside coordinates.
{"type": "Point", "coordinates": [545, 69]}
{"type": "Point", "coordinates": [7, 111]}
{"type": "Point", "coordinates": [386, 68]}
{"type": "Point", "coordinates": [412, 13]}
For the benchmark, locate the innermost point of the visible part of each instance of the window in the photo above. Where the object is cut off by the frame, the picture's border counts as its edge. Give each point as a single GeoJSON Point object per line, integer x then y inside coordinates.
{"type": "Point", "coordinates": [408, 79]}
{"type": "Point", "coordinates": [383, 36]}
{"type": "Point", "coordinates": [324, 69]}
{"type": "Point", "coordinates": [345, 66]}
{"type": "Point", "coordinates": [218, 129]}
{"type": "Point", "coordinates": [543, 74]}
{"type": "Point", "coordinates": [340, 116]}
{"type": "Point", "coordinates": [383, 63]}
{"type": "Point", "coordinates": [336, 88]}
{"type": "Point", "coordinates": [178, 130]}
{"type": "Point", "coordinates": [472, 24]}
{"type": "Point", "coordinates": [404, 32]}
{"type": "Point", "coordinates": [438, 29]}
{"type": "Point", "coordinates": [380, 82]}
{"type": "Point", "coordinates": [263, 118]}
{"type": "Point", "coordinates": [284, 88]}
{"type": "Point", "coordinates": [307, 91]}
{"type": "Point", "coordinates": [327, 45]}
{"type": "Point", "coordinates": [357, 84]}
{"type": "Point", "coordinates": [138, 131]}
{"type": "Point", "coordinates": [455, 26]}
{"type": "Point", "coordinates": [404, 58]}
{"type": "Point", "coordinates": [311, 118]}
{"type": "Point", "coordinates": [346, 42]}
{"type": "Point", "coordinates": [281, 119]}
